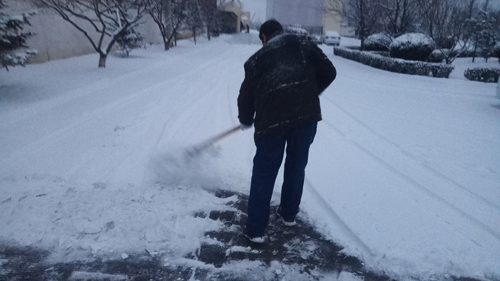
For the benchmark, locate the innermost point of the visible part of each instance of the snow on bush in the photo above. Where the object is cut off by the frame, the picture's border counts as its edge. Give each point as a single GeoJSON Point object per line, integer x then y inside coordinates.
{"type": "Point", "coordinates": [437, 56]}
{"type": "Point", "coordinates": [378, 42]}
{"type": "Point", "coordinates": [412, 46]}
{"type": "Point", "coordinates": [496, 51]}
{"type": "Point", "coordinates": [13, 48]}
{"type": "Point", "coordinates": [487, 75]}
{"type": "Point", "coordinates": [130, 40]}
{"type": "Point", "coordinates": [295, 30]}
{"type": "Point", "coordinates": [395, 65]}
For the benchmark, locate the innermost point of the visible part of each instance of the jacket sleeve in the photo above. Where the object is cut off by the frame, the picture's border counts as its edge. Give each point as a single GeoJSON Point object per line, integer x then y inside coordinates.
{"type": "Point", "coordinates": [246, 108]}
{"type": "Point", "coordinates": [325, 71]}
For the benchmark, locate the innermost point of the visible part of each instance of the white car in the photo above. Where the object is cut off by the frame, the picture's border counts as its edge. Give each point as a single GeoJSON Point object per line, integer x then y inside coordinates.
{"type": "Point", "coordinates": [331, 38]}
{"type": "Point", "coordinates": [295, 30]}
{"type": "Point", "coordinates": [300, 31]}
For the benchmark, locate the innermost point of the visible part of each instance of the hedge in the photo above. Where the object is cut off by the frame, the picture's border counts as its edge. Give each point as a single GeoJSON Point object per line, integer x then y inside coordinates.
{"type": "Point", "coordinates": [378, 42]}
{"type": "Point", "coordinates": [487, 75]}
{"type": "Point", "coordinates": [395, 65]}
{"type": "Point", "coordinates": [412, 46]}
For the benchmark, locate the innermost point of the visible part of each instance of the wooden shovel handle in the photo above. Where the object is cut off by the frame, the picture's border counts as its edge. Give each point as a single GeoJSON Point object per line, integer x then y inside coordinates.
{"type": "Point", "coordinates": [220, 136]}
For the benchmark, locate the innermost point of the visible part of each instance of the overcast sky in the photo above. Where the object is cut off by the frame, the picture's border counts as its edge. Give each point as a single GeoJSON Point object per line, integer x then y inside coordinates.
{"type": "Point", "coordinates": [257, 8]}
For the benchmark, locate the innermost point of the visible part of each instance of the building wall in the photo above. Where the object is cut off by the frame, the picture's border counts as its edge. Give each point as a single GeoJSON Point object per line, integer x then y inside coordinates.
{"type": "Point", "coordinates": [299, 12]}
{"type": "Point", "coordinates": [242, 16]}
{"type": "Point", "coordinates": [231, 7]}
{"type": "Point", "coordinates": [57, 39]}
{"type": "Point", "coordinates": [332, 19]}
{"type": "Point", "coordinates": [310, 13]}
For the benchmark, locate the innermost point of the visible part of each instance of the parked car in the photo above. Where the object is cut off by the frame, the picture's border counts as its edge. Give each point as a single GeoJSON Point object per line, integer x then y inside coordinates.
{"type": "Point", "coordinates": [300, 31]}
{"type": "Point", "coordinates": [314, 40]}
{"type": "Point", "coordinates": [498, 88]}
{"type": "Point", "coordinates": [295, 30]}
{"type": "Point", "coordinates": [331, 38]}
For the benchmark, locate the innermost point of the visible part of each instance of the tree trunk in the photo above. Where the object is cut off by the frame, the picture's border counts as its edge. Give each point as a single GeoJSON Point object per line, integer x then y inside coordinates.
{"type": "Point", "coordinates": [166, 43]}
{"type": "Point", "coordinates": [474, 53]}
{"type": "Point", "coordinates": [102, 60]}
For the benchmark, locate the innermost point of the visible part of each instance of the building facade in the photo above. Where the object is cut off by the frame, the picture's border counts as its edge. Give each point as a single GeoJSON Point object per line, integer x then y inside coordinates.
{"type": "Point", "coordinates": [236, 20]}
{"type": "Point", "coordinates": [311, 14]}
{"type": "Point", "coordinates": [332, 18]}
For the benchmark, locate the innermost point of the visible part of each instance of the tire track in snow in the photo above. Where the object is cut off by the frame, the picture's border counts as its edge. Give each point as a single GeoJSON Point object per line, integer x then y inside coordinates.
{"type": "Point", "coordinates": [190, 113]}
{"type": "Point", "coordinates": [108, 108]}
{"type": "Point", "coordinates": [82, 91]}
{"type": "Point", "coordinates": [426, 191]}
{"type": "Point", "coordinates": [185, 110]}
{"type": "Point", "coordinates": [338, 221]}
{"type": "Point", "coordinates": [417, 186]}
{"type": "Point", "coordinates": [188, 103]}
{"type": "Point", "coordinates": [82, 95]}
{"type": "Point", "coordinates": [190, 99]}
{"type": "Point", "coordinates": [408, 154]}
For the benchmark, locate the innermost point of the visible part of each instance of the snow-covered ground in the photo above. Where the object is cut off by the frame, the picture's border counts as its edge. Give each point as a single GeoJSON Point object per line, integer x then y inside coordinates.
{"type": "Point", "coordinates": [404, 172]}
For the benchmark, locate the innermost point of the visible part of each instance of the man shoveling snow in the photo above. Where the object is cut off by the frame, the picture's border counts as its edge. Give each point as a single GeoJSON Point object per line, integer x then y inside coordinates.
{"type": "Point", "coordinates": [280, 97]}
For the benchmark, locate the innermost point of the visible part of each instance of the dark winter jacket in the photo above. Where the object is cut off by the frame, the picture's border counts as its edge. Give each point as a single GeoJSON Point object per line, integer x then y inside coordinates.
{"type": "Point", "coordinates": [283, 81]}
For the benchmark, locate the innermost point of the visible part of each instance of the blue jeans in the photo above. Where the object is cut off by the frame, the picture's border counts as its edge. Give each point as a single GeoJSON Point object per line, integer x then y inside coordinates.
{"type": "Point", "coordinates": [266, 164]}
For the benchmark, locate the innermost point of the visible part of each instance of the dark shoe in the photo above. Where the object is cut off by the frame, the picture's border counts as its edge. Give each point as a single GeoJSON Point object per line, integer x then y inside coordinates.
{"type": "Point", "coordinates": [257, 240]}
{"type": "Point", "coordinates": [286, 223]}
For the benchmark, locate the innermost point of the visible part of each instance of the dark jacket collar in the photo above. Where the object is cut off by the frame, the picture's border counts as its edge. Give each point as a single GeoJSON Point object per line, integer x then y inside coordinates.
{"type": "Point", "coordinates": [274, 35]}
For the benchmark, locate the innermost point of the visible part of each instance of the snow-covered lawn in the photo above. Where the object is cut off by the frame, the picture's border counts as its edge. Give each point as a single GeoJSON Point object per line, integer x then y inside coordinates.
{"type": "Point", "coordinates": [404, 172]}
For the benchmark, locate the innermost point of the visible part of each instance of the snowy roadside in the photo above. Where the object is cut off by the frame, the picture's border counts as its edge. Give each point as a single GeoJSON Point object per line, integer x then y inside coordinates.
{"type": "Point", "coordinates": [403, 168]}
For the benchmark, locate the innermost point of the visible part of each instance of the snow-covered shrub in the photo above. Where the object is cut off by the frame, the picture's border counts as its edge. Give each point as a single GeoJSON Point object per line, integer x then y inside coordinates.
{"type": "Point", "coordinates": [128, 41]}
{"type": "Point", "coordinates": [412, 46]}
{"type": "Point", "coordinates": [13, 48]}
{"type": "Point", "coordinates": [437, 56]}
{"type": "Point", "coordinates": [395, 65]}
{"type": "Point", "coordinates": [441, 70]}
{"type": "Point", "coordinates": [296, 30]}
{"type": "Point", "coordinates": [386, 54]}
{"type": "Point", "coordinates": [378, 42]}
{"type": "Point", "coordinates": [487, 75]}
{"type": "Point", "coordinates": [496, 51]}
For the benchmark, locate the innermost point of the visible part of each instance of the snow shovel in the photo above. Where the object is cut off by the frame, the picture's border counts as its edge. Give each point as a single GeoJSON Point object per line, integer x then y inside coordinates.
{"type": "Point", "coordinates": [196, 150]}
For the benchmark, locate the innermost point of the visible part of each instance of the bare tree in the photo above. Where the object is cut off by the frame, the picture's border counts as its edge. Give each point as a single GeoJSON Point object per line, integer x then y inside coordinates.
{"type": "Point", "coordinates": [471, 6]}
{"type": "Point", "coordinates": [438, 18]}
{"type": "Point", "coordinates": [208, 10]}
{"type": "Point", "coordinates": [169, 15]}
{"type": "Point", "coordinates": [399, 15]}
{"type": "Point", "coordinates": [194, 20]}
{"type": "Point", "coordinates": [365, 15]}
{"type": "Point", "coordinates": [484, 33]}
{"type": "Point", "coordinates": [102, 22]}
{"type": "Point", "coordinates": [445, 22]}
{"type": "Point", "coordinates": [486, 5]}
